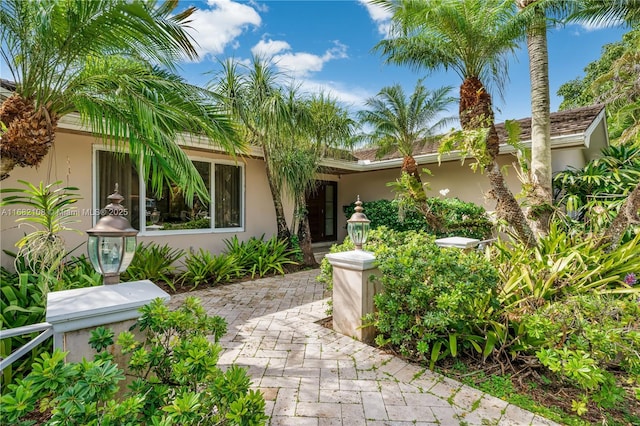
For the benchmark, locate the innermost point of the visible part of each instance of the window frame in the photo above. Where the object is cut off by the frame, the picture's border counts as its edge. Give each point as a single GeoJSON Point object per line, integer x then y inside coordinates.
{"type": "Point", "coordinates": [99, 204]}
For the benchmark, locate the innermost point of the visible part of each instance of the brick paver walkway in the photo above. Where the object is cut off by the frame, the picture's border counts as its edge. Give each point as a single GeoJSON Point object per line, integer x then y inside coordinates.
{"type": "Point", "coordinates": [311, 375]}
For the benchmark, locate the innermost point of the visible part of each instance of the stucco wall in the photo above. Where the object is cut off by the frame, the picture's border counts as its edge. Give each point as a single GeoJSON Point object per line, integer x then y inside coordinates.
{"type": "Point", "coordinates": [71, 161]}
{"type": "Point", "coordinates": [459, 179]}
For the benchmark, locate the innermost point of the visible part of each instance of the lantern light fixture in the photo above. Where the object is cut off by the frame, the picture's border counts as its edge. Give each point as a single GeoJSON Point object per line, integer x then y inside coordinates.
{"type": "Point", "coordinates": [112, 241]}
{"type": "Point", "coordinates": [358, 226]}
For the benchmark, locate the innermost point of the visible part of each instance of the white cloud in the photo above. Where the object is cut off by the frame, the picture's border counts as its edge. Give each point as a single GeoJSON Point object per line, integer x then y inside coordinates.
{"type": "Point", "coordinates": [219, 25]}
{"type": "Point", "coordinates": [379, 15]}
{"type": "Point", "coordinates": [296, 64]}
{"type": "Point", "coordinates": [353, 98]}
{"type": "Point", "coordinates": [269, 48]}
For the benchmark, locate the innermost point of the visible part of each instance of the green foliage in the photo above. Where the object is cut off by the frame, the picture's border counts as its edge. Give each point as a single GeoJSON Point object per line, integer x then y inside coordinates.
{"type": "Point", "coordinates": [459, 218]}
{"type": "Point", "coordinates": [154, 262]}
{"type": "Point", "coordinates": [435, 302]}
{"type": "Point", "coordinates": [22, 303]}
{"type": "Point", "coordinates": [594, 194]}
{"type": "Point", "coordinates": [562, 265]}
{"type": "Point", "coordinates": [177, 379]}
{"type": "Point", "coordinates": [259, 257]}
{"type": "Point", "coordinates": [204, 268]}
{"type": "Point", "coordinates": [48, 211]}
{"type": "Point", "coordinates": [203, 223]}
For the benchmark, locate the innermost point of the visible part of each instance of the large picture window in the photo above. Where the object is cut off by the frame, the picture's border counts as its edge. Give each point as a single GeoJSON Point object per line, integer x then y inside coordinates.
{"type": "Point", "coordinates": [168, 211]}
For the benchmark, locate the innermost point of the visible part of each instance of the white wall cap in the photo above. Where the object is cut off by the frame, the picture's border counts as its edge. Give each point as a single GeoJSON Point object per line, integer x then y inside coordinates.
{"type": "Point", "coordinates": [357, 260]}
{"type": "Point", "coordinates": [457, 242]}
{"type": "Point", "coordinates": [92, 306]}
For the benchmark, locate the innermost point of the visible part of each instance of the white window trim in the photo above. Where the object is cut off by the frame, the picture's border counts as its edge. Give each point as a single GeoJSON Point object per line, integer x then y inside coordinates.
{"type": "Point", "coordinates": [98, 204]}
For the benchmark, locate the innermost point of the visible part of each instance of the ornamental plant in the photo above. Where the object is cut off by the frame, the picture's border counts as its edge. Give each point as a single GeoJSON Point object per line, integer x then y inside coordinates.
{"type": "Point", "coordinates": [176, 378]}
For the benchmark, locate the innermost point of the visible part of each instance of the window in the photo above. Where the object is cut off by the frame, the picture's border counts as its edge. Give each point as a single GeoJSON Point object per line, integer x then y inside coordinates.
{"type": "Point", "coordinates": [169, 211]}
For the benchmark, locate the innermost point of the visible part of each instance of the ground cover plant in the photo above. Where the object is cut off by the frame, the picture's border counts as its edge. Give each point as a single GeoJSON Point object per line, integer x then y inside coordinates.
{"type": "Point", "coordinates": [176, 378]}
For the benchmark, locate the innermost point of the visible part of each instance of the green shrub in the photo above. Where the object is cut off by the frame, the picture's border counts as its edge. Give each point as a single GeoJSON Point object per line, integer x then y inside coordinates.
{"type": "Point", "coordinates": [562, 265]}
{"type": "Point", "coordinates": [22, 303]}
{"type": "Point", "coordinates": [202, 267]}
{"type": "Point", "coordinates": [259, 257]}
{"type": "Point", "coordinates": [154, 262]}
{"type": "Point", "coordinates": [459, 218]}
{"type": "Point", "coordinates": [434, 302]}
{"type": "Point", "coordinates": [585, 339]}
{"type": "Point", "coordinates": [176, 381]}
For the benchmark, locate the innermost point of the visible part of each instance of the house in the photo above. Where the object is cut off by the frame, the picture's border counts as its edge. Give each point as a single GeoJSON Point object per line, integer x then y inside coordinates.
{"type": "Point", "coordinates": [241, 201]}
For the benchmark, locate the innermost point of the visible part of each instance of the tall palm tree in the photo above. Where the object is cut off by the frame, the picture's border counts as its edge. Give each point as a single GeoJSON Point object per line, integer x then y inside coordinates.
{"type": "Point", "coordinates": [472, 38]}
{"type": "Point", "coordinates": [402, 124]}
{"type": "Point", "coordinates": [254, 96]}
{"type": "Point", "coordinates": [606, 12]}
{"type": "Point", "coordinates": [321, 125]}
{"type": "Point", "coordinates": [112, 62]}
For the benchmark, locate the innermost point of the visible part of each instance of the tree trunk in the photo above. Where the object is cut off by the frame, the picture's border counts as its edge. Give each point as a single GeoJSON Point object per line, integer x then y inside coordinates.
{"type": "Point", "coordinates": [410, 166]}
{"type": "Point", "coordinates": [29, 134]}
{"type": "Point", "coordinates": [281, 220]}
{"type": "Point", "coordinates": [304, 237]}
{"type": "Point", "coordinates": [476, 112]}
{"type": "Point", "coordinates": [628, 215]}
{"type": "Point", "coordinates": [540, 198]}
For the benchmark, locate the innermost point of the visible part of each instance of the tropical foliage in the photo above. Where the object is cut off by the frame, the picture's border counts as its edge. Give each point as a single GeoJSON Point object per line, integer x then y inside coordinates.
{"type": "Point", "coordinates": [473, 38]}
{"type": "Point", "coordinates": [177, 380]}
{"type": "Point", "coordinates": [112, 62]}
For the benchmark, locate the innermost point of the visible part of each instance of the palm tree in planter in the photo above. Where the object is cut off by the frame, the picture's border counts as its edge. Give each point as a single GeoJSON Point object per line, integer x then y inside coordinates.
{"type": "Point", "coordinates": [404, 124]}
{"type": "Point", "coordinates": [472, 38]}
{"type": "Point", "coordinates": [112, 62]}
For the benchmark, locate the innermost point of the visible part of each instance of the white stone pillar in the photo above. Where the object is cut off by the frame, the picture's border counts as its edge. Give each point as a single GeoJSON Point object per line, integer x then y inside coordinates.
{"type": "Point", "coordinates": [75, 313]}
{"type": "Point", "coordinates": [353, 292]}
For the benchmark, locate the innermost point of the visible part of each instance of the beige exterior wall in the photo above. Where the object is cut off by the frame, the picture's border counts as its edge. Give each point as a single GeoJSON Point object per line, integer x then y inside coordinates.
{"type": "Point", "coordinates": [459, 179]}
{"type": "Point", "coordinates": [71, 161]}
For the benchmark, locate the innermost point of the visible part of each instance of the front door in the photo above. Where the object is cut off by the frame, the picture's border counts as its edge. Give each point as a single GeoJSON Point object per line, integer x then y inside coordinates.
{"type": "Point", "coordinates": [322, 209]}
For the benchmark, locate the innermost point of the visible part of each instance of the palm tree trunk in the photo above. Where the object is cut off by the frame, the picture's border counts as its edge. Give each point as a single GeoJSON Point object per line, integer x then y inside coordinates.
{"type": "Point", "coordinates": [304, 237]}
{"type": "Point", "coordinates": [476, 112]}
{"type": "Point", "coordinates": [628, 214]}
{"type": "Point", "coordinates": [28, 136]}
{"type": "Point", "coordinates": [281, 220]}
{"type": "Point", "coordinates": [540, 198]}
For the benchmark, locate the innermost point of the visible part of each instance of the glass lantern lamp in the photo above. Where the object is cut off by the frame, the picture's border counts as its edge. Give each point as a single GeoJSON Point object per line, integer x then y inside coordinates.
{"type": "Point", "coordinates": [358, 226]}
{"type": "Point", "coordinates": [112, 241]}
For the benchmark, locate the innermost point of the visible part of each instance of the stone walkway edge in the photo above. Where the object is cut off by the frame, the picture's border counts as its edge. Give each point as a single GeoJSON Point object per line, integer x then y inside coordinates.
{"type": "Point", "coordinates": [311, 375]}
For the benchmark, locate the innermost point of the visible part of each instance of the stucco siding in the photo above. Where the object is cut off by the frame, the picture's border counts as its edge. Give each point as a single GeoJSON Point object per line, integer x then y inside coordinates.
{"type": "Point", "coordinates": [71, 160]}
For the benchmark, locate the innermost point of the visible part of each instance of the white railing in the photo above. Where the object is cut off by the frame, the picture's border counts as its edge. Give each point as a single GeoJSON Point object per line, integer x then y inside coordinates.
{"type": "Point", "coordinates": [44, 327]}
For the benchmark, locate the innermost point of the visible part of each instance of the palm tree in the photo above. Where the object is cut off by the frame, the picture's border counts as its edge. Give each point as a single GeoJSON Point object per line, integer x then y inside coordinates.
{"type": "Point", "coordinates": [403, 124]}
{"type": "Point", "coordinates": [112, 62]}
{"type": "Point", "coordinates": [606, 12]}
{"type": "Point", "coordinates": [472, 38]}
{"type": "Point", "coordinates": [321, 126]}
{"type": "Point", "coordinates": [253, 95]}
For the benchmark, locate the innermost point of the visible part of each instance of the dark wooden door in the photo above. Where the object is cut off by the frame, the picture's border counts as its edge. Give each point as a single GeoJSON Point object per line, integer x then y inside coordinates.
{"type": "Point", "coordinates": [322, 210]}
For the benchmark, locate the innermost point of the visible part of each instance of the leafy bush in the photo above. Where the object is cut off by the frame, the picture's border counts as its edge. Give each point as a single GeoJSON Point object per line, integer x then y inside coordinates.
{"type": "Point", "coordinates": [204, 268]}
{"type": "Point", "coordinates": [459, 218]}
{"type": "Point", "coordinates": [259, 257]}
{"type": "Point", "coordinates": [177, 379]}
{"type": "Point", "coordinates": [584, 339]}
{"type": "Point", "coordinates": [562, 265]}
{"type": "Point", "coordinates": [435, 302]}
{"type": "Point", "coordinates": [593, 195]}
{"type": "Point", "coordinates": [154, 262]}
{"type": "Point", "coordinates": [22, 303]}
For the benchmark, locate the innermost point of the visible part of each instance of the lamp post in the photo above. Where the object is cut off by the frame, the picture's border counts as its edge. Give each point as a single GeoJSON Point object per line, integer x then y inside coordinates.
{"type": "Point", "coordinates": [112, 241]}
{"type": "Point", "coordinates": [358, 226]}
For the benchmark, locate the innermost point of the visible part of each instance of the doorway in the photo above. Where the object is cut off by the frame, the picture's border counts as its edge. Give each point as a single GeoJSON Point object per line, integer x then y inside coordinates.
{"type": "Point", "coordinates": [322, 211]}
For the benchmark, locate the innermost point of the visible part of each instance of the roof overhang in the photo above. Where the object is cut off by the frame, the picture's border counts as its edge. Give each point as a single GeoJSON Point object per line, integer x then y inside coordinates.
{"type": "Point", "coordinates": [592, 141]}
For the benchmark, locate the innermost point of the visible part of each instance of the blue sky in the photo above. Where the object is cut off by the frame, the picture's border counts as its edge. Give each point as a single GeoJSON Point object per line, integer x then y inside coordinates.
{"type": "Point", "coordinates": [327, 45]}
